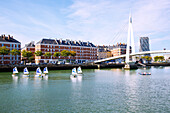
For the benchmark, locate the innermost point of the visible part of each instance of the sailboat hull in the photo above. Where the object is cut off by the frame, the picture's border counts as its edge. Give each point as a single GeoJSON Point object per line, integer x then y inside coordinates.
{"type": "Point", "coordinates": [73, 78]}
{"type": "Point", "coordinates": [38, 76]}
{"type": "Point", "coordinates": [25, 75]}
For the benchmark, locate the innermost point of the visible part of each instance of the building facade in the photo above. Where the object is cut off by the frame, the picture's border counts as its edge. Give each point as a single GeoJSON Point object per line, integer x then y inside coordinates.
{"type": "Point", "coordinates": [10, 44]}
{"type": "Point", "coordinates": [119, 49]}
{"type": "Point", "coordinates": [103, 52]}
{"type": "Point", "coordinates": [29, 47]}
{"type": "Point", "coordinates": [144, 45]}
{"type": "Point", "coordinates": [85, 51]}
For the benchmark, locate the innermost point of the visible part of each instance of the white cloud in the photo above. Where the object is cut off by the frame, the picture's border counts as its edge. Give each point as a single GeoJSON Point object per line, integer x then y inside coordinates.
{"type": "Point", "coordinates": [100, 21]}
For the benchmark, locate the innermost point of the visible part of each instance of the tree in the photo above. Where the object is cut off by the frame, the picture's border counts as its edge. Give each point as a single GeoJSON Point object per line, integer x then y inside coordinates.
{"type": "Point", "coordinates": [4, 51]}
{"type": "Point", "coordinates": [38, 53]}
{"type": "Point", "coordinates": [47, 54]}
{"type": "Point", "coordinates": [30, 59]}
{"type": "Point", "coordinates": [27, 54]}
{"type": "Point", "coordinates": [56, 54]}
{"type": "Point", "coordinates": [65, 53]}
{"type": "Point", "coordinates": [158, 58]}
{"type": "Point", "coordinates": [15, 52]}
{"type": "Point", "coordinates": [147, 58]}
{"type": "Point", "coordinates": [161, 58]}
{"type": "Point", "coordinates": [73, 53]}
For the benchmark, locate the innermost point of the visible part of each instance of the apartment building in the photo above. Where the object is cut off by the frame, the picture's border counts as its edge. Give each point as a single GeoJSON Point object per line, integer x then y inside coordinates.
{"type": "Point", "coordinates": [29, 47]}
{"type": "Point", "coordinates": [10, 44]}
{"type": "Point", "coordinates": [119, 49]}
{"type": "Point", "coordinates": [103, 52]}
{"type": "Point", "coordinates": [85, 51]}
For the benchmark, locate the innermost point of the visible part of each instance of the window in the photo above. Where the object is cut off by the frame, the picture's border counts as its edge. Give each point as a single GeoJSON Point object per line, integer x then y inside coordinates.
{"type": "Point", "coordinates": [10, 46]}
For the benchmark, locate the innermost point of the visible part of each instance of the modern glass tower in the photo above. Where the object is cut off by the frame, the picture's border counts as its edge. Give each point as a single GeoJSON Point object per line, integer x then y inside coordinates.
{"type": "Point", "coordinates": [144, 45]}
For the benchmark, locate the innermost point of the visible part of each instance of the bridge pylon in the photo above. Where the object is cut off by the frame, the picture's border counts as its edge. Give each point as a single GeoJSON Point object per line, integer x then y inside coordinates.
{"type": "Point", "coordinates": [130, 43]}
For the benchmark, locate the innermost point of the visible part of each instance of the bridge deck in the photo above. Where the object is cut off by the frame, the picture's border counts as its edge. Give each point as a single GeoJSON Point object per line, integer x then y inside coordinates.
{"type": "Point", "coordinates": [134, 54]}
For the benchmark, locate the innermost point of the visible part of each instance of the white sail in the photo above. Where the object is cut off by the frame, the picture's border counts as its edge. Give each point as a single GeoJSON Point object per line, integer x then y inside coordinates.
{"type": "Point", "coordinates": [45, 70]}
{"type": "Point", "coordinates": [15, 70]}
{"type": "Point", "coordinates": [79, 71]}
{"type": "Point", "coordinates": [26, 71]}
{"type": "Point", "coordinates": [38, 71]}
{"type": "Point", "coordinates": [74, 71]}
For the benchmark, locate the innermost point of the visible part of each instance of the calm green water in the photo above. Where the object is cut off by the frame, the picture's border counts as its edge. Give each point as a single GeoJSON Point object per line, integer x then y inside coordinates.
{"type": "Point", "coordinates": [106, 90]}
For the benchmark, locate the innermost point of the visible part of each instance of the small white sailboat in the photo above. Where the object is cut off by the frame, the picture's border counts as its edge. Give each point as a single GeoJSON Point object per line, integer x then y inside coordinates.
{"type": "Point", "coordinates": [15, 71]}
{"type": "Point", "coordinates": [45, 71]}
{"type": "Point", "coordinates": [26, 72]}
{"type": "Point", "coordinates": [79, 71]}
{"type": "Point", "coordinates": [74, 74]}
{"type": "Point", "coordinates": [38, 72]}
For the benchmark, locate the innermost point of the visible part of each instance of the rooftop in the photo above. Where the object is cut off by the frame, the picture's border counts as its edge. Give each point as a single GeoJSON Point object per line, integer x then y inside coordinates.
{"type": "Point", "coordinates": [66, 42]}
{"type": "Point", "coordinates": [8, 38]}
{"type": "Point", "coordinates": [31, 44]}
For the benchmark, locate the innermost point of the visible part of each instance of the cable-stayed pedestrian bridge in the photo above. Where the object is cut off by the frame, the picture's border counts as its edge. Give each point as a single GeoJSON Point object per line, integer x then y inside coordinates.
{"type": "Point", "coordinates": [132, 54]}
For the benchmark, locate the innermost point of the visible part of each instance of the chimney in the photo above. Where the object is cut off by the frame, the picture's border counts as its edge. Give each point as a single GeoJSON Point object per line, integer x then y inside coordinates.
{"type": "Point", "coordinates": [4, 37]}
{"type": "Point", "coordinates": [8, 37]}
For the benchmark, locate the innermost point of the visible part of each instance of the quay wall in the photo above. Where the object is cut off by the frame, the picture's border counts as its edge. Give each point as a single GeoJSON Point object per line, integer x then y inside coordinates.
{"type": "Point", "coordinates": [9, 68]}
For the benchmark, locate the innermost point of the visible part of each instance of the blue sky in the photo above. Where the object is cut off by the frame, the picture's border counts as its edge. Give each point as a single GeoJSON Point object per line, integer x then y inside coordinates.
{"type": "Point", "coordinates": [102, 22]}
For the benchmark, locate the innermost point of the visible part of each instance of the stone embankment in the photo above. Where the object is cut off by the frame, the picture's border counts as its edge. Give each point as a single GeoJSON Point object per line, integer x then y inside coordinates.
{"type": "Point", "coordinates": [8, 68]}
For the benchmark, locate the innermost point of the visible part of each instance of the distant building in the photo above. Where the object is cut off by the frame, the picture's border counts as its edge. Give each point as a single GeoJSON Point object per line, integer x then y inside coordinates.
{"type": "Point", "coordinates": [29, 47]}
{"type": "Point", "coordinates": [119, 49]}
{"type": "Point", "coordinates": [11, 44]}
{"type": "Point", "coordinates": [103, 52]}
{"type": "Point", "coordinates": [85, 51]}
{"type": "Point", "coordinates": [144, 45]}
{"type": "Point", "coordinates": [167, 57]}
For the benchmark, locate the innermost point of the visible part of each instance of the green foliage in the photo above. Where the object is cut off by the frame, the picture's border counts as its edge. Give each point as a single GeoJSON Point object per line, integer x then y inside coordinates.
{"type": "Point", "coordinates": [30, 59]}
{"type": "Point", "coordinates": [15, 52]}
{"type": "Point", "coordinates": [65, 53]}
{"type": "Point", "coordinates": [4, 50]}
{"type": "Point", "coordinates": [73, 53]}
{"type": "Point", "coordinates": [47, 54]}
{"type": "Point", "coordinates": [27, 53]}
{"type": "Point", "coordinates": [158, 58]}
{"type": "Point", "coordinates": [147, 58]}
{"type": "Point", "coordinates": [38, 53]}
{"type": "Point", "coordinates": [56, 54]}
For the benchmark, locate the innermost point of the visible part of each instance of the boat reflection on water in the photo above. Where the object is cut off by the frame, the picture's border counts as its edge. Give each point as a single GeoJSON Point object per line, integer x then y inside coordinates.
{"type": "Point", "coordinates": [15, 79]}
{"type": "Point", "coordinates": [24, 80]}
{"type": "Point", "coordinates": [73, 79]}
{"type": "Point", "coordinates": [45, 77]}
{"type": "Point", "coordinates": [78, 78]}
